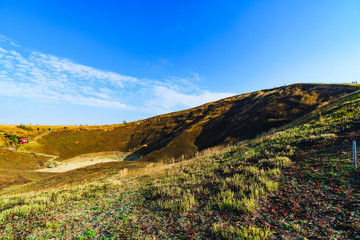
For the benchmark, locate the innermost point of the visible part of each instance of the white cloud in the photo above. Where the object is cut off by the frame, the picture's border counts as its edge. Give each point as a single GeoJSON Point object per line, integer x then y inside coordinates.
{"type": "Point", "coordinates": [46, 78]}
{"type": "Point", "coordinates": [79, 71]}
{"type": "Point", "coordinates": [166, 99]}
{"type": "Point", "coordinates": [14, 44]}
{"type": "Point", "coordinates": [3, 50]}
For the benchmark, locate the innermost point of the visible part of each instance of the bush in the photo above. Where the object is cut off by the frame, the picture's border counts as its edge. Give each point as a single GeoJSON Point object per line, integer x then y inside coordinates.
{"type": "Point", "coordinates": [14, 139]}
{"type": "Point", "coordinates": [24, 127]}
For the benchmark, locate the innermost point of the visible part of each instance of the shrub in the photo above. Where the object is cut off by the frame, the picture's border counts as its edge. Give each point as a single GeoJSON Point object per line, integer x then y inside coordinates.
{"type": "Point", "coordinates": [24, 127]}
{"type": "Point", "coordinates": [14, 139]}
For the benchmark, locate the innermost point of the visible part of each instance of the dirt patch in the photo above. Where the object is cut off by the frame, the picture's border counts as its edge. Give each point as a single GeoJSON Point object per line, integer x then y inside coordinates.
{"type": "Point", "coordinates": [86, 160]}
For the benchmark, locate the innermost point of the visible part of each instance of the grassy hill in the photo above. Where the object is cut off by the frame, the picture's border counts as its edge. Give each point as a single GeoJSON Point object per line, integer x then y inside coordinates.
{"type": "Point", "coordinates": [296, 182]}
{"type": "Point", "coordinates": [18, 167]}
{"type": "Point", "coordinates": [181, 134]}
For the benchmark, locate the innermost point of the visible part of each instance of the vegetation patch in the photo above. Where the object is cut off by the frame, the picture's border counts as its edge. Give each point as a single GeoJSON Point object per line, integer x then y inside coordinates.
{"type": "Point", "coordinates": [24, 127]}
{"type": "Point", "coordinates": [14, 139]}
{"type": "Point", "coordinates": [250, 232]}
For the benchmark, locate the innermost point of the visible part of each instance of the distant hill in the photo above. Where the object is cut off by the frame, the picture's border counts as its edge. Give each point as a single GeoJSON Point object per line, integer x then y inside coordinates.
{"type": "Point", "coordinates": [181, 134]}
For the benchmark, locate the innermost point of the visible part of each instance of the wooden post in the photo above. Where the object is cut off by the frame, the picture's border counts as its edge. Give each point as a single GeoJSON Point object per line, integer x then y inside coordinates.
{"type": "Point", "coordinates": [354, 153]}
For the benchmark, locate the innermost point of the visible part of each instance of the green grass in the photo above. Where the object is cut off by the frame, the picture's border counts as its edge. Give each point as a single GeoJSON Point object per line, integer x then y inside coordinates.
{"type": "Point", "coordinates": [187, 187]}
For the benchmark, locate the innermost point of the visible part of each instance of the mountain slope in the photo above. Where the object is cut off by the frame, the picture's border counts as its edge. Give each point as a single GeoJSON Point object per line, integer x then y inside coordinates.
{"type": "Point", "coordinates": [183, 133]}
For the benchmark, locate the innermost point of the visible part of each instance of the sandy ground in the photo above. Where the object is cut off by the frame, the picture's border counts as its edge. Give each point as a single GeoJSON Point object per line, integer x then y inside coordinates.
{"type": "Point", "coordinates": [85, 160]}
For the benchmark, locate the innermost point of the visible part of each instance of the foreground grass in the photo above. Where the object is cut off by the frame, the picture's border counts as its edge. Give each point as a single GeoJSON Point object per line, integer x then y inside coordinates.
{"type": "Point", "coordinates": [291, 184]}
{"type": "Point", "coordinates": [184, 197]}
{"type": "Point", "coordinates": [318, 196]}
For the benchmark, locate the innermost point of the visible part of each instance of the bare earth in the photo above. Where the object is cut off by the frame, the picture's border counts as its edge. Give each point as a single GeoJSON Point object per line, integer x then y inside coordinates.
{"type": "Point", "coordinates": [85, 160]}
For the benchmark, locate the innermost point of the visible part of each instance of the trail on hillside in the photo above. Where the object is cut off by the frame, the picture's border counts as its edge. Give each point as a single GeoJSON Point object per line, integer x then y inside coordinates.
{"type": "Point", "coordinates": [39, 136]}
{"type": "Point", "coordinates": [52, 157]}
{"type": "Point", "coordinates": [14, 149]}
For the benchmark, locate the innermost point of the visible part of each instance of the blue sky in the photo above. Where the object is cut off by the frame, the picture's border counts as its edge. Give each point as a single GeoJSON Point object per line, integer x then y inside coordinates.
{"type": "Point", "coordinates": [102, 62]}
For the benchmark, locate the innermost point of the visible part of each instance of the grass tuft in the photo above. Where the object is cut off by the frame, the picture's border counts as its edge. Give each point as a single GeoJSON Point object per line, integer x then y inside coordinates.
{"type": "Point", "coordinates": [245, 233]}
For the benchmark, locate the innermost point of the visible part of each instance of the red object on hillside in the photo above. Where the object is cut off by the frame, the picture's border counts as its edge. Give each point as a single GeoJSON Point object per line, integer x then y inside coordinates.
{"type": "Point", "coordinates": [23, 140]}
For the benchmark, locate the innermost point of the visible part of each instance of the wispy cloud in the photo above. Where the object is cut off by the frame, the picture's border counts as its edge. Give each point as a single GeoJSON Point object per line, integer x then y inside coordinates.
{"type": "Point", "coordinates": [165, 99]}
{"type": "Point", "coordinates": [44, 78]}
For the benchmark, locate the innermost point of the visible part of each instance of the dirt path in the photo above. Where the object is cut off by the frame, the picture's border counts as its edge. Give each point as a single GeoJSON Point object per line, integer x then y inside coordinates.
{"type": "Point", "coordinates": [52, 157]}
{"type": "Point", "coordinates": [39, 136]}
{"type": "Point", "coordinates": [86, 160]}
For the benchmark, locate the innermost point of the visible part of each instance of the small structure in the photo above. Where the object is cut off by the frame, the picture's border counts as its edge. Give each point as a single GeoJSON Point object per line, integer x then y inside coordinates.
{"type": "Point", "coordinates": [23, 140]}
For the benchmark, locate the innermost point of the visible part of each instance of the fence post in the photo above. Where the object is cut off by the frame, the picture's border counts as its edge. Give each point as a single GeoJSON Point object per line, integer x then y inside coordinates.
{"type": "Point", "coordinates": [354, 153]}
